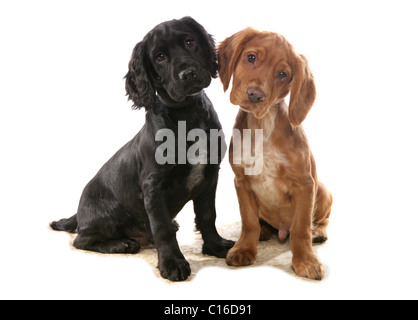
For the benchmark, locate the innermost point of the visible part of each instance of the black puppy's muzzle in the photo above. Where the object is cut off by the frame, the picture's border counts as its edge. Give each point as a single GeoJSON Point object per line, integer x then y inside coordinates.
{"type": "Point", "coordinates": [189, 74]}
{"type": "Point", "coordinates": [187, 79]}
{"type": "Point", "coordinates": [191, 78]}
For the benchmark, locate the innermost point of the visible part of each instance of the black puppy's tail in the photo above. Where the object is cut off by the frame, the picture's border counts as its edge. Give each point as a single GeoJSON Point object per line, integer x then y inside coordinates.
{"type": "Point", "coordinates": [69, 225]}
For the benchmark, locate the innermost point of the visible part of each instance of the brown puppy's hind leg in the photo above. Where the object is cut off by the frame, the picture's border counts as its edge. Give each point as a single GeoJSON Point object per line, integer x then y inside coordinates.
{"type": "Point", "coordinates": [322, 212]}
{"type": "Point", "coordinates": [267, 231]}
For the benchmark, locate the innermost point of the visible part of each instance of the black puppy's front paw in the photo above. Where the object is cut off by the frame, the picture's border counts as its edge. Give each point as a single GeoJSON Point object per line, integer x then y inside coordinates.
{"type": "Point", "coordinates": [218, 248]}
{"type": "Point", "coordinates": [175, 269]}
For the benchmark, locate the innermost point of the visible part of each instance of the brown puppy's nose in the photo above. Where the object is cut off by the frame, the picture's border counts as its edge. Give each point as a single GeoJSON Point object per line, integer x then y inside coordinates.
{"type": "Point", "coordinates": [255, 95]}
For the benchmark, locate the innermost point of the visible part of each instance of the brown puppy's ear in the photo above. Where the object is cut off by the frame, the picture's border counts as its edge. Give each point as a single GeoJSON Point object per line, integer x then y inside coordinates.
{"type": "Point", "coordinates": [229, 51]}
{"type": "Point", "coordinates": [303, 91]}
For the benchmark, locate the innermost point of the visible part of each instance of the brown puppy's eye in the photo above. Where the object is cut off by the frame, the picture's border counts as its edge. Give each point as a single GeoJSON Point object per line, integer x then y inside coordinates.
{"type": "Point", "coordinates": [282, 75]}
{"type": "Point", "coordinates": [251, 58]}
{"type": "Point", "coordinates": [190, 43]}
{"type": "Point", "coordinates": [160, 57]}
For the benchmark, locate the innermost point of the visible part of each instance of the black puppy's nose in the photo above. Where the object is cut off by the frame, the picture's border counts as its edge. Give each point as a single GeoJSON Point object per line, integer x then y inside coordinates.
{"type": "Point", "coordinates": [188, 74]}
{"type": "Point", "coordinates": [255, 95]}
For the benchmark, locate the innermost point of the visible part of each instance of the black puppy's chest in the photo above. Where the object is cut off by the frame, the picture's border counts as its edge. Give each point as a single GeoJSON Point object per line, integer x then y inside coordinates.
{"type": "Point", "coordinates": [195, 116]}
{"type": "Point", "coordinates": [191, 127]}
{"type": "Point", "coordinates": [182, 183]}
{"type": "Point", "coordinates": [186, 175]}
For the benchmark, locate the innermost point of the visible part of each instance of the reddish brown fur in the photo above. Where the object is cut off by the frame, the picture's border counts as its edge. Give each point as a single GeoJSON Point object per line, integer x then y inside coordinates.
{"type": "Point", "coordinates": [287, 195]}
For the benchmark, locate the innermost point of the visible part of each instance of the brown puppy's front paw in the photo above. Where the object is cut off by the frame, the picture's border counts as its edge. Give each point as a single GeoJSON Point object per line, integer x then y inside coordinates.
{"type": "Point", "coordinates": [240, 257]}
{"type": "Point", "coordinates": [308, 267]}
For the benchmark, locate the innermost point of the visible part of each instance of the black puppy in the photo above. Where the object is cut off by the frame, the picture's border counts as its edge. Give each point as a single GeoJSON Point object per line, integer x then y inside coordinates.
{"type": "Point", "coordinates": [133, 199]}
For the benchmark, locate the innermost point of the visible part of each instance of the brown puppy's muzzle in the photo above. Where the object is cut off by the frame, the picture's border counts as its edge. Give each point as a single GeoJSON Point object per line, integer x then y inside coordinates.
{"type": "Point", "coordinates": [255, 95]}
{"type": "Point", "coordinates": [254, 100]}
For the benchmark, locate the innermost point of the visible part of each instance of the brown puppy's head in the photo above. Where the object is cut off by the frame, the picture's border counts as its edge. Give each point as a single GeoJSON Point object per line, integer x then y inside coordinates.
{"type": "Point", "coordinates": [266, 68]}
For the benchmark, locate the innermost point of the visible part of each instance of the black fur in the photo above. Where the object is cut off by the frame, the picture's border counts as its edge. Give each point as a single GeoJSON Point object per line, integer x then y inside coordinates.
{"type": "Point", "coordinates": [132, 200]}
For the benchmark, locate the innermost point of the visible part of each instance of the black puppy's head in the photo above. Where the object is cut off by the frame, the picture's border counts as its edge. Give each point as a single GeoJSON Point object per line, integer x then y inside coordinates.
{"type": "Point", "coordinates": [176, 59]}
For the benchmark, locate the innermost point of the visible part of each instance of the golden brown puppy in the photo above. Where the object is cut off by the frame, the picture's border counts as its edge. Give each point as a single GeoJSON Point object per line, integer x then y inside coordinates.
{"type": "Point", "coordinates": [287, 194]}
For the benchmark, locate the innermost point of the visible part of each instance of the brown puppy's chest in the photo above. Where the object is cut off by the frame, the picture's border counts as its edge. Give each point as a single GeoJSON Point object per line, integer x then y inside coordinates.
{"type": "Point", "coordinates": [271, 193]}
{"type": "Point", "coordinates": [270, 190]}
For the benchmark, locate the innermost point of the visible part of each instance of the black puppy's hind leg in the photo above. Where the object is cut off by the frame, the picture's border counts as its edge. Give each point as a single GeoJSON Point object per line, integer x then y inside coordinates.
{"type": "Point", "coordinates": [96, 242]}
{"type": "Point", "coordinates": [213, 243]}
{"type": "Point", "coordinates": [100, 244]}
{"type": "Point", "coordinates": [99, 232]}
{"type": "Point", "coordinates": [68, 225]}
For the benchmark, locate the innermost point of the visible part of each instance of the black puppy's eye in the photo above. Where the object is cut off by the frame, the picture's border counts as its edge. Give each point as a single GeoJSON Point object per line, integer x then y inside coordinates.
{"type": "Point", "coordinates": [251, 58]}
{"type": "Point", "coordinates": [282, 75]}
{"type": "Point", "coordinates": [160, 57]}
{"type": "Point", "coordinates": [190, 43]}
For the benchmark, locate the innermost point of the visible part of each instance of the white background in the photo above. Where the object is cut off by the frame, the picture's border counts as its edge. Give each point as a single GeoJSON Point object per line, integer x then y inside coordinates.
{"type": "Point", "coordinates": [63, 113]}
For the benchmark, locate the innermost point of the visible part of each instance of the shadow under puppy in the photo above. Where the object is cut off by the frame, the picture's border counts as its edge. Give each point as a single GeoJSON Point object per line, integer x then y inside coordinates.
{"type": "Point", "coordinates": [133, 199]}
{"type": "Point", "coordinates": [286, 193]}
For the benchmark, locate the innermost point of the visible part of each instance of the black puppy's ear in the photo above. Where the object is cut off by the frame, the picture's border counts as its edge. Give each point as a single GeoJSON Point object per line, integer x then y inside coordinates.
{"type": "Point", "coordinates": [208, 41]}
{"type": "Point", "coordinates": [139, 88]}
